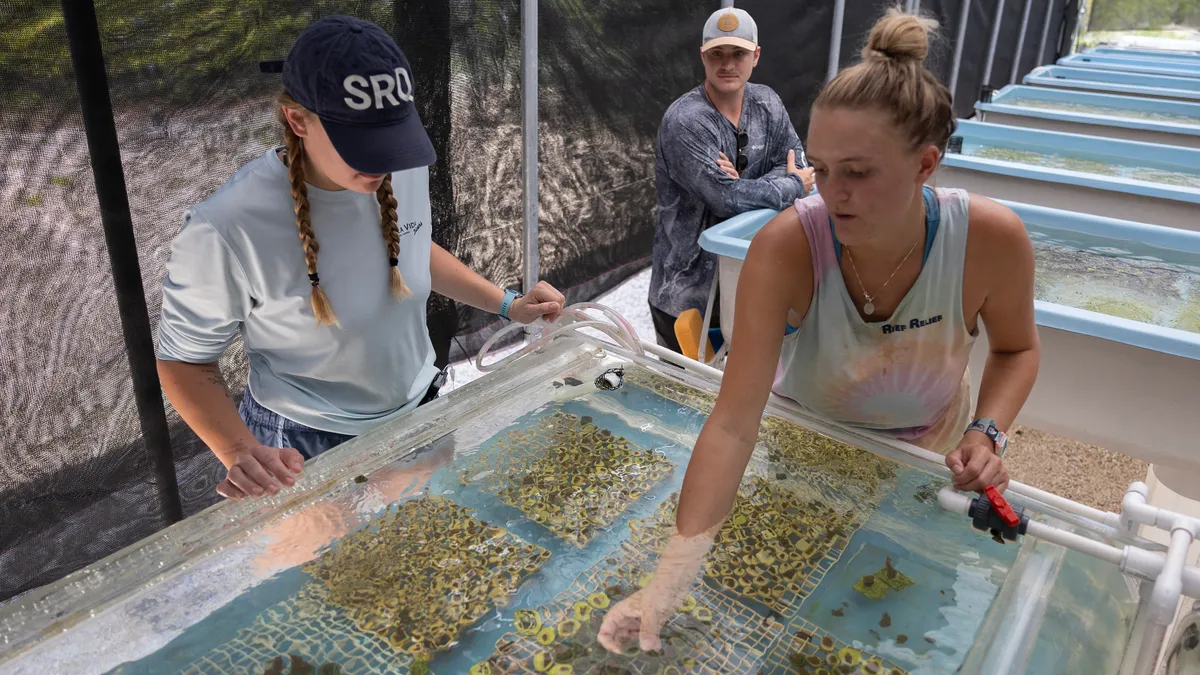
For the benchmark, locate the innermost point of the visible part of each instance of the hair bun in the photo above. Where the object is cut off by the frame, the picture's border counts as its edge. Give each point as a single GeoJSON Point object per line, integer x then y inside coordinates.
{"type": "Point", "coordinates": [900, 37]}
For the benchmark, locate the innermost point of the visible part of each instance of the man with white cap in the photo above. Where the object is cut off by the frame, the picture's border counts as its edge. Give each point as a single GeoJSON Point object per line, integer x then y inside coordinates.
{"type": "Point", "coordinates": [723, 148]}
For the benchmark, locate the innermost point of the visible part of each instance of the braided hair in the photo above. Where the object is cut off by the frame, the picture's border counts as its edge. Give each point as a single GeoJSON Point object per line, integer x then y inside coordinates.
{"type": "Point", "coordinates": [322, 309]}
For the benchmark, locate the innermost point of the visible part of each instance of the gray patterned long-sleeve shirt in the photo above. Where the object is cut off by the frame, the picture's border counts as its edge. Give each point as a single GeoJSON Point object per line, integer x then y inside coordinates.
{"type": "Point", "coordinates": [693, 193]}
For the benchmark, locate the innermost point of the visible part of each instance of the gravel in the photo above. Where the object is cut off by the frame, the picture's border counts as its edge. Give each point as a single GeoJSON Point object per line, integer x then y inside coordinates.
{"type": "Point", "coordinates": [1085, 473]}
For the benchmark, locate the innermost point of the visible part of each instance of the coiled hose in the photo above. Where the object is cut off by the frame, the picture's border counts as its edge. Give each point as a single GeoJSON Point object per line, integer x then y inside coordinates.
{"type": "Point", "coordinates": [573, 318]}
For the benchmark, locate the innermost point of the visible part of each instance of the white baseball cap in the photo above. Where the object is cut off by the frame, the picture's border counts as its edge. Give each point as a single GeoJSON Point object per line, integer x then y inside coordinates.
{"type": "Point", "coordinates": [730, 26]}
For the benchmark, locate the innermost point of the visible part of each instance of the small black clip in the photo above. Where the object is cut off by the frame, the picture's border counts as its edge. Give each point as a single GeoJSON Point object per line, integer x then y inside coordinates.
{"type": "Point", "coordinates": [986, 93]}
{"type": "Point", "coordinates": [956, 143]}
{"type": "Point", "coordinates": [271, 66]}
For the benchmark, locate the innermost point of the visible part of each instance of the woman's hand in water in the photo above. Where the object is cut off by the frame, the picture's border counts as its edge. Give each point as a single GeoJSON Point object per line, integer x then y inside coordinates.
{"type": "Point", "coordinates": [544, 301]}
{"type": "Point", "coordinates": [261, 470]}
{"type": "Point", "coordinates": [641, 615]}
{"type": "Point", "coordinates": [976, 465]}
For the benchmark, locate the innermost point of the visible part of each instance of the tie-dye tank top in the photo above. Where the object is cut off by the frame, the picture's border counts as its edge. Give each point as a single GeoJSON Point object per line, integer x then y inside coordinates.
{"type": "Point", "coordinates": [905, 376]}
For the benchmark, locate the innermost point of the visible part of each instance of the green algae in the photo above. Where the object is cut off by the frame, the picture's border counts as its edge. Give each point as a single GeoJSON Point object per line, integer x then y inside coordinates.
{"type": "Point", "coordinates": [1121, 308]}
{"type": "Point", "coordinates": [1189, 318]}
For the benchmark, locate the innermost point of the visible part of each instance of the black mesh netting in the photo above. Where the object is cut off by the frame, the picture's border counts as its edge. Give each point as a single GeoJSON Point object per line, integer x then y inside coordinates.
{"type": "Point", "coordinates": [190, 107]}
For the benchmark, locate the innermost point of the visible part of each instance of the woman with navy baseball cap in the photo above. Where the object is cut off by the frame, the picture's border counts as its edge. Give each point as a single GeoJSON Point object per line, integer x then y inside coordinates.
{"type": "Point", "coordinates": [333, 321]}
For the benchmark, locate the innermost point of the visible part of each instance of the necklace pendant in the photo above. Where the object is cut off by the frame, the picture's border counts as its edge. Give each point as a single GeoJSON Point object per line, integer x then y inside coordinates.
{"type": "Point", "coordinates": [869, 308]}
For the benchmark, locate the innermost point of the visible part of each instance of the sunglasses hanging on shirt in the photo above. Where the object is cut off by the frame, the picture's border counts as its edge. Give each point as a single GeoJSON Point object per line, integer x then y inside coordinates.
{"type": "Point", "coordinates": [742, 160]}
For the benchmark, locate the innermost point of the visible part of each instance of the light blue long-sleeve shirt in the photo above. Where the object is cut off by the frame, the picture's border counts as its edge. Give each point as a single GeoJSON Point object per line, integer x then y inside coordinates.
{"type": "Point", "coordinates": [237, 264]}
{"type": "Point", "coordinates": [693, 193]}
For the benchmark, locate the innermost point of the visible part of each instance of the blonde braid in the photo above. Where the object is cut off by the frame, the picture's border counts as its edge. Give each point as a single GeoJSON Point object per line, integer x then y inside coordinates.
{"type": "Point", "coordinates": [322, 309]}
{"type": "Point", "coordinates": [391, 235]}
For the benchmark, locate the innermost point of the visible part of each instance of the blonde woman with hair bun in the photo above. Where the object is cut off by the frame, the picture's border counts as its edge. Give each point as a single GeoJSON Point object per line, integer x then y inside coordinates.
{"type": "Point", "coordinates": [318, 252]}
{"type": "Point", "coordinates": [862, 303]}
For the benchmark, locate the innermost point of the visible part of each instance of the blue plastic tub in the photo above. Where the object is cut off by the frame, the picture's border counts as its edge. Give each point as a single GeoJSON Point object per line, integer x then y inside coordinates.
{"type": "Point", "coordinates": [1126, 117]}
{"type": "Point", "coordinates": [1132, 64]}
{"type": "Point", "coordinates": [1116, 82]}
{"type": "Point", "coordinates": [1126, 385]}
{"type": "Point", "coordinates": [1141, 182]}
{"type": "Point", "coordinates": [1157, 54]}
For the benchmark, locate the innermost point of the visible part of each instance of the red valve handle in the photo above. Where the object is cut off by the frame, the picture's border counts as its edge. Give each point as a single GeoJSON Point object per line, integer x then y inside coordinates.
{"type": "Point", "coordinates": [1001, 506]}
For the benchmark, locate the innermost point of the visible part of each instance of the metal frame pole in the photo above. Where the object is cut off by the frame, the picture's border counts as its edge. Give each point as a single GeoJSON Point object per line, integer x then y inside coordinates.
{"type": "Point", "coordinates": [91, 82]}
{"type": "Point", "coordinates": [835, 39]}
{"type": "Point", "coordinates": [529, 140]}
{"type": "Point", "coordinates": [1045, 32]}
{"type": "Point", "coordinates": [991, 53]}
{"type": "Point", "coordinates": [963, 13]}
{"type": "Point", "coordinates": [1078, 26]}
{"type": "Point", "coordinates": [726, 3]}
{"type": "Point", "coordinates": [1016, 67]}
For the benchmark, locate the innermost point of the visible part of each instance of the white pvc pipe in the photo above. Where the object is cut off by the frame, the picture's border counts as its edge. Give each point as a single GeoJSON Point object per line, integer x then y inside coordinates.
{"type": "Point", "coordinates": [1148, 565]}
{"type": "Point", "coordinates": [954, 502]}
{"type": "Point", "coordinates": [682, 361]}
{"type": "Point", "coordinates": [1097, 549]}
{"type": "Point", "coordinates": [1136, 511]}
{"type": "Point", "coordinates": [1064, 504]}
{"type": "Point", "coordinates": [1152, 642]}
{"type": "Point", "coordinates": [1141, 563]}
{"type": "Point", "coordinates": [1164, 601]}
{"type": "Point", "coordinates": [1052, 500]}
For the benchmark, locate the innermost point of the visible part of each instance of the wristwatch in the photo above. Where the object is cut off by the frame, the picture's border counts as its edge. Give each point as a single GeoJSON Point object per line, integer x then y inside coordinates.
{"type": "Point", "coordinates": [510, 296]}
{"type": "Point", "coordinates": [987, 426]}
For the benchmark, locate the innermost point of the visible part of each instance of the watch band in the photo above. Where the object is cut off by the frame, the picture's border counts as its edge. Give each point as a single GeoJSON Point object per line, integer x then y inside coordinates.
{"type": "Point", "coordinates": [510, 296]}
{"type": "Point", "coordinates": [987, 426]}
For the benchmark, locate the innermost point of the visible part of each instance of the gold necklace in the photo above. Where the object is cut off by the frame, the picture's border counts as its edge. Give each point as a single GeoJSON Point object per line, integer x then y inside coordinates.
{"type": "Point", "coordinates": [869, 307]}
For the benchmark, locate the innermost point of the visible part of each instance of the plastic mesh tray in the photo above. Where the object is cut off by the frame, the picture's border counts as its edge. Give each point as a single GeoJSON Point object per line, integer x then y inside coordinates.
{"type": "Point", "coordinates": [811, 464]}
{"type": "Point", "coordinates": [567, 474]}
{"type": "Point", "coordinates": [424, 571]}
{"type": "Point", "coordinates": [712, 632]}
{"type": "Point", "coordinates": [774, 548]}
{"type": "Point", "coordinates": [821, 468]}
{"type": "Point", "coordinates": [308, 626]}
{"type": "Point", "coordinates": [814, 651]}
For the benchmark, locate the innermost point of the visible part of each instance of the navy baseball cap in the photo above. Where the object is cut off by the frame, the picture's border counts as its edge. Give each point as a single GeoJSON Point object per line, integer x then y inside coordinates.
{"type": "Point", "coordinates": [353, 76]}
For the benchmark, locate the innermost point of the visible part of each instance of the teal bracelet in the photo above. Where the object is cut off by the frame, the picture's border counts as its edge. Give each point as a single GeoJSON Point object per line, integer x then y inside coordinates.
{"type": "Point", "coordinates": [510, 296]}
